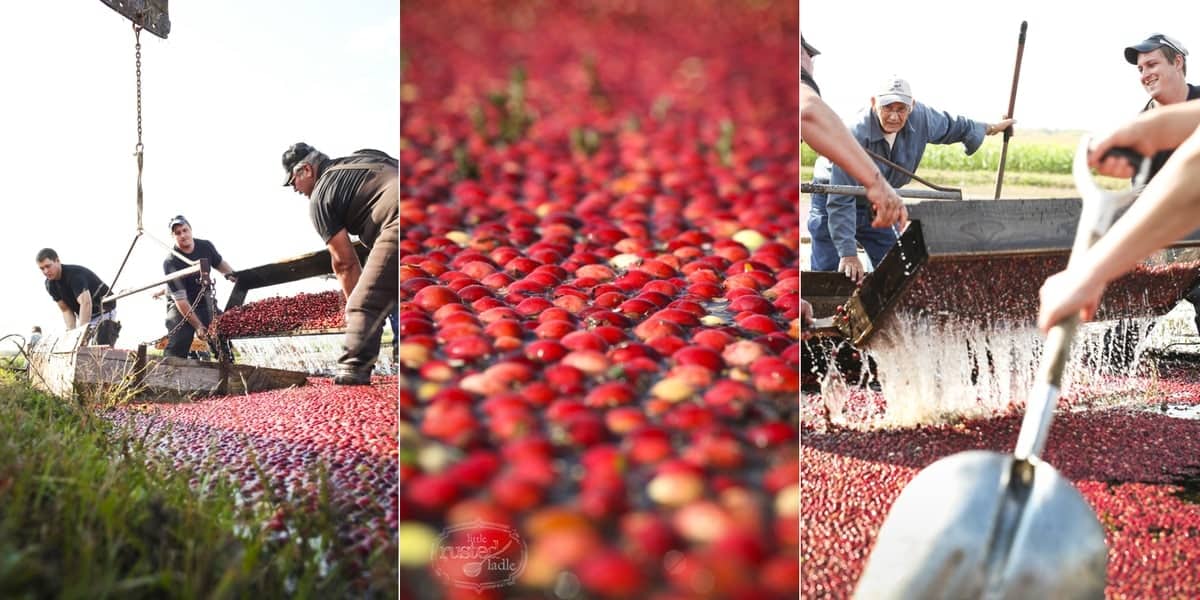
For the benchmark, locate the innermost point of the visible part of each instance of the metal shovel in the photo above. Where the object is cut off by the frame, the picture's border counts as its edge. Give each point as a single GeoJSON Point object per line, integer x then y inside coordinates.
{"type": "Point", "coordinates": [982, 524]}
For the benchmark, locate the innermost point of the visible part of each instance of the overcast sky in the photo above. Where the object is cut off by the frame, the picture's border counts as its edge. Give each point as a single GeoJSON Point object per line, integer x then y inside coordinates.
{"type": "Point", "coordinates": [233, 85]}
{"type": "Point", "coordinates": [959, 56]}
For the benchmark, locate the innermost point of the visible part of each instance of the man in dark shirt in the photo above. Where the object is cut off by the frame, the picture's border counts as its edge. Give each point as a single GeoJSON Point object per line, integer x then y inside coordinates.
{"type": "Point", "coordinates": [78, 292]}
{"type": "Point", "coordinates": [1162, 70]}
{"type": "Point", "coordinates": [190, 312]}
{"type": "Point", "coordinates": [355, 195]}
{"type": "Point", "coordinates": [1161, 62]}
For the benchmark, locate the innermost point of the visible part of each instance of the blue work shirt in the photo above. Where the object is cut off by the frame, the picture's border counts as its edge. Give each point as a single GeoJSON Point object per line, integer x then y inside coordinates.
{"type": "Point", "coordinates": [925, 126]}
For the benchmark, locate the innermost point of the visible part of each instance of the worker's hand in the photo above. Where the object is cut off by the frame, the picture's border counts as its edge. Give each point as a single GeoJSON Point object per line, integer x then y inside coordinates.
{"type": "Point", "coordinates": [231, 277]}
{"type": "Point", "coordinates": [1125, 136]}
{"type": "Point", "coordinates": [889, 208]}
{"type": "Point", "coordinates": [806, 318]}
{"type": "Point", "coordinates": [1067, 293]}
{"type": "Point", "coordinates": [999, 126]}
{"type": "Point", "coordinates": [852, 267]}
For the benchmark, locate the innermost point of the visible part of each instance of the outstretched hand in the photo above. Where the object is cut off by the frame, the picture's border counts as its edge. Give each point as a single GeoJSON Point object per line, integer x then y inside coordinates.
{"type": "Point", "coordinates": [999, 126]}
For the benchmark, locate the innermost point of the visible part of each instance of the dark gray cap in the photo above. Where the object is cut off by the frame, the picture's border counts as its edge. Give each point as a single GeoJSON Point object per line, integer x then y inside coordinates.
{"type": "Point", "coordinates": [293, 156]}
{"type": "Point", "coordinates": [1154, 42]}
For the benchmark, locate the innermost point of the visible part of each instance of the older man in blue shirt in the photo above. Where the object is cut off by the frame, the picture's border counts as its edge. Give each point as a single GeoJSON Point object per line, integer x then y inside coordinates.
{"type": "Point", "coordinates": [898, 128]}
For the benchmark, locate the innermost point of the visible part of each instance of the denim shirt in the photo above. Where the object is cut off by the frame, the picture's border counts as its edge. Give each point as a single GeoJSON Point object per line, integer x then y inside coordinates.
{"type": "Point", "coordinates": [925, 126]}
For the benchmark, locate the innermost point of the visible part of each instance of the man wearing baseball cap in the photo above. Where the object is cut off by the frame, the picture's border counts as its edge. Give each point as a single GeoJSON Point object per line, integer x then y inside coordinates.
{"type": "Point", "coordinates": [192, 306]}
{"type": "Point", "coordinates": [821, 129]}
{"type": "Point", "coordinates": [1161, 62]}
{"type": "Point", "coordinates": [896, 127]}
{"type": "Point", "coordinates": [355, 195]}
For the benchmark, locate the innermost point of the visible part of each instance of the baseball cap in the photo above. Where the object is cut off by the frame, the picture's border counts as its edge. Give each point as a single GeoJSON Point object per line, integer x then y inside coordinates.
{"type": "Point", "coordinates": [1154, 42]}
{"type": "Point", "coordinates": [178, 220]}
{"type": "Point", "coordinates": [808, 47]}
{"type": "Point", "coordinates": [893, 89]}
{"type": "Point", "coordinates": [293, 156]}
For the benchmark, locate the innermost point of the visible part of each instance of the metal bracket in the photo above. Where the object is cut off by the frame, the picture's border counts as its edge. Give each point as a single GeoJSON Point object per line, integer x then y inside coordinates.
{"type": "Point", "coordinates": [151, 15]}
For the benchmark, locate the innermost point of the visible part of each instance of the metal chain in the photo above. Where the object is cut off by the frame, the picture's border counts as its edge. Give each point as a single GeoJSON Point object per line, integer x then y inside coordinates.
{"type": "Point", "coordinates": [200, 297]}
{"type": "Point", "coordinates": [137, 150]}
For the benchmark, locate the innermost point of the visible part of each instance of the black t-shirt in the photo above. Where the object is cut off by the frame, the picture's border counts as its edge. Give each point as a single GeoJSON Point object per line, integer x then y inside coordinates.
{"type": "Point", "coordinates": [1160, 158]}
{"type": "Point", "coordinates": [191, 283]}
{"type": "Point", "coordinates": [359, 200]}
{"type": "Point", "coordinates": [73, 281]}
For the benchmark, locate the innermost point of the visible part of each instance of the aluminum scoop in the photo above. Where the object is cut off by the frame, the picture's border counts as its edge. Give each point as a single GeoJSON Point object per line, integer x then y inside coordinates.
{"type": "Point", "coordinates": [982, 524]}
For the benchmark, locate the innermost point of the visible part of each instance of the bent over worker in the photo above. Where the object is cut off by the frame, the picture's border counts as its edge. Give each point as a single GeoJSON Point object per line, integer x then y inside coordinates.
{"type": "Point", "coordinates": [78, 293]}
{"type": "Point", "coordinates": [355, 195]}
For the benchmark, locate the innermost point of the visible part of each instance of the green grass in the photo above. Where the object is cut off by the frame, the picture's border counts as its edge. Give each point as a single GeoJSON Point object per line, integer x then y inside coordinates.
{"type": "Point", "coordinates": [87, 512]}
{"type": "Point", "coordinates": [1038, 165]}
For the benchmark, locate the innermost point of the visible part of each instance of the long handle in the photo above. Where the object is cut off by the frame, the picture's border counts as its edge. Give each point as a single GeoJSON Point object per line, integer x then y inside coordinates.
{"type": "Point", "coordinates": [1097, 209]}
{"type": "Point", "coordinates": [1012, 102]}
{"type": "Point", "coordinates": [1039, 410]}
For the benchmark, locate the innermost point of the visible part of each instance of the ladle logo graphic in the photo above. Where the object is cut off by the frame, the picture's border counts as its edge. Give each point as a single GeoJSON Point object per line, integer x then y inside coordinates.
{"type": "Point", "coordinates": [480, 555]}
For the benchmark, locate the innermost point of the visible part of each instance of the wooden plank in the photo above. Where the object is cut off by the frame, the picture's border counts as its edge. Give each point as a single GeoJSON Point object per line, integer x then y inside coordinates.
{"type": "Point", "coordinates": [1017, 226]}
{"type": "Point", "coordinates": [244, 379]}
{"type": "Point", "coordinates": [97, 372]}
{"type": "Point", "coordinates": [297, 268]}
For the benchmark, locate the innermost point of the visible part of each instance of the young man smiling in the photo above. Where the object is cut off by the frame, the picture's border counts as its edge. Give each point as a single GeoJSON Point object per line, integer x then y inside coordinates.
{"type": "Point", "coordinates": [1162, 70]}
{"type": "Point", "coordinates": [1161, 62]}
{"type": "Point", "coordinates": [896, 127]}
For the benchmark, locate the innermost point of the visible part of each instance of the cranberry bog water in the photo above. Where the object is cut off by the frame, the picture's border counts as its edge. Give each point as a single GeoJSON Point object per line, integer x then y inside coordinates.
{"type": "Point", "coordinates": [599, 300]}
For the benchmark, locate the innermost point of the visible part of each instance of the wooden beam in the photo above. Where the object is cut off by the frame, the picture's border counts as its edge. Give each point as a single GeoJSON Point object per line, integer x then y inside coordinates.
{"type": "Point", "coordinates": [313, 264]}
{"type": "Point", "coordinates": [1021, 226]}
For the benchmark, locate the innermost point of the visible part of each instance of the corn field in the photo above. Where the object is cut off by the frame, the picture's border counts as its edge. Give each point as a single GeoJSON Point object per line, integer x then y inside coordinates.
{"type": "Point", "coordinates": [1033, 156]}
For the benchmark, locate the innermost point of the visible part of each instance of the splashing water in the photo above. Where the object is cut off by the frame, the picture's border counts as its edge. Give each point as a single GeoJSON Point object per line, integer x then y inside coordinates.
{"type": "Point", "coordinates": [835, 393]}
{"type": "Point", "coordinates": [936, 369]}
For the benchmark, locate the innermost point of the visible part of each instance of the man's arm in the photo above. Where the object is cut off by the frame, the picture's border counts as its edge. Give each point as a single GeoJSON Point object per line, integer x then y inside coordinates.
{"type": "Point", "coordinates": [344, 261]}
{"type": "Point", "coordinates": [68, 314]}
{"type": "Point", "coordinates": [1168, 209]}
{"type": "Point", "coordinates": [85, 306]}
{"type": "Point", "coordinates": [185, 309]}
{"type": "Point", "coordinates": [945, 128]}
{"type": "Point", "coordinates": [227, 270]}
{"type": "Point", "coordinates": [821, 129]}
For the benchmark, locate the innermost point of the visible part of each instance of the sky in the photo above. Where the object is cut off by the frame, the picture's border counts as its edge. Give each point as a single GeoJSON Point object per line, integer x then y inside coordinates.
{"type": "Point", "coordinates": [959, 56]}
{"type": "Point", "coordinates": [230, 89]}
